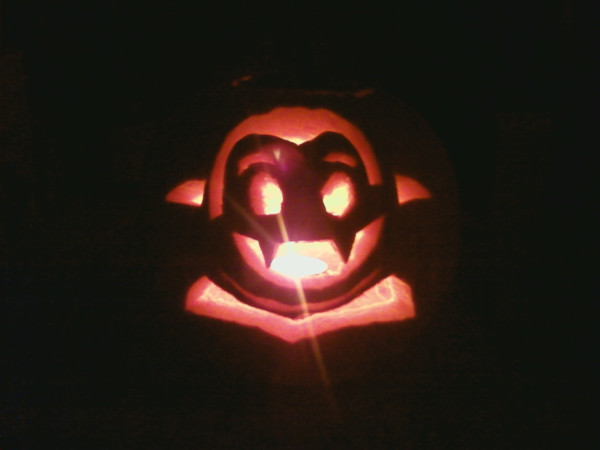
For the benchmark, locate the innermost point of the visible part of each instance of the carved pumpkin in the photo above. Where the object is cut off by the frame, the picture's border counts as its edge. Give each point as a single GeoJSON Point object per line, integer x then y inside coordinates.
{"type": "Point", "coordinates": [298, 204]}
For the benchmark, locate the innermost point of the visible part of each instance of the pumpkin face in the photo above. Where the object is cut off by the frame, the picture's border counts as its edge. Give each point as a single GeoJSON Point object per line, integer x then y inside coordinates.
{"type": "Point", "coordinates": [298, 203]}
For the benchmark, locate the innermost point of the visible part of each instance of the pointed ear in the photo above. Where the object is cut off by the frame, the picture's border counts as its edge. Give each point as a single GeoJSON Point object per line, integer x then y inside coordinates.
{"type": "Point", "coordinates": [409, 189]}
{"type": "Point", "coordinates": [190, 193]}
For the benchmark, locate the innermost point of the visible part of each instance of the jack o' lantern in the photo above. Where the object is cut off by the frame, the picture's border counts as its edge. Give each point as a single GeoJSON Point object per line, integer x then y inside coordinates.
{"type": "Point", "coordinates": [297, 202]}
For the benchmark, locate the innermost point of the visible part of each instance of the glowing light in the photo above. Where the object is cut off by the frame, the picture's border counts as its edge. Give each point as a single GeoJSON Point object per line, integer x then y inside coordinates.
{"type": "Point", "coordinates": [390, 300]}
{"type": "Point", "coordinates": [338, 277]}
{"type": "Point", "coordinates": [295, 265]}
{"type": "Point", "coordinates": [190, 193]}
{"type": "Point", "coordinates": [409, 189]}
{"type": "Point", "coordinates": [338, 194]}
{"type": "Point", "coordinates": [265, 195]}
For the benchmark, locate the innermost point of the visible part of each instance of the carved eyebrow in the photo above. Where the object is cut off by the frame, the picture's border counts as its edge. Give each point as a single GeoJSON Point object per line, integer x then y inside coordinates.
{"type": "Point", "coordinates": [258, 148]}
{"type": "Point", "coordinates": [255, 158]}
{"type": "Point", "coordinates": [343, 158]}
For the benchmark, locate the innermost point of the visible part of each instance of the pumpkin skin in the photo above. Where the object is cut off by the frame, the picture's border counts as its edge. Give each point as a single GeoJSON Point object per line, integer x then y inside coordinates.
{"type": "Point", "coordinates": [273, 188]}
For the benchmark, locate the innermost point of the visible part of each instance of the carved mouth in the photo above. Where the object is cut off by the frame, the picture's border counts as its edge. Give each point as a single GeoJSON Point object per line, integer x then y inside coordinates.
{"type": "Point", "coordinates": [301, 259]}
{"type": "Point", "coordinates": [314, 264]}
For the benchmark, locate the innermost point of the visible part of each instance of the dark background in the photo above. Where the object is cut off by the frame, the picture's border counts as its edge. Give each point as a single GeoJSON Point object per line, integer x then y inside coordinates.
{"type": "Point", "coordinates": [96, 350]}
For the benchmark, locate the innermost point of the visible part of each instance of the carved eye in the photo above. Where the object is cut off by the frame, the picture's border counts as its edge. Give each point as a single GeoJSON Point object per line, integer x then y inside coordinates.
{"type": "Point", "coordinates": [265, 195]}
{"type": "Point", "coordinates": [338, 194]}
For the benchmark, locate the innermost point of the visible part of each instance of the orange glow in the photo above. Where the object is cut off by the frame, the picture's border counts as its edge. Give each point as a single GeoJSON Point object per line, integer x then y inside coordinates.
{"type": "Point", "coordinates": [297, 203]}
{"type": "Point", "coordinates": [188, 193]}
{"type": "Point", "coordinates": [390, 300]}
{"type": "Point", "coordinates": [338, 194]}
{"type": "Point", "coordinates": [297, 125]}
{"type": "Point", "coordinates": [290, 263]}
{"type": "Point", "coordinates": [326, 251]}
{"type": "Point", "coordinates": [265, 195]}
{"type": "Point", "coordinates": [409, 189]}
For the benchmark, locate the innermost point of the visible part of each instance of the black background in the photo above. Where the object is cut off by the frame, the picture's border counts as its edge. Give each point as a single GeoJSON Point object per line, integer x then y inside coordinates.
{"type": "Point", "coordinates": [96, 351]}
